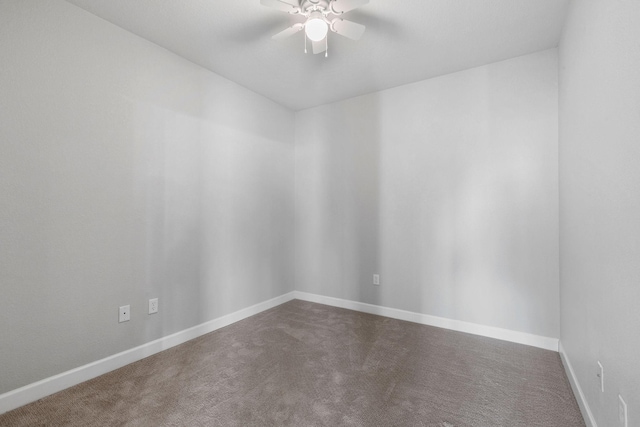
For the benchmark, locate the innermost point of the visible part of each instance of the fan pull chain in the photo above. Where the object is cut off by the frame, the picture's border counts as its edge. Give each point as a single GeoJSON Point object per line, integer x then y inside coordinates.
{"type": "Point", "coordinates": [305, 43]}
{"type": "Point", "coordinates": [326, 47]}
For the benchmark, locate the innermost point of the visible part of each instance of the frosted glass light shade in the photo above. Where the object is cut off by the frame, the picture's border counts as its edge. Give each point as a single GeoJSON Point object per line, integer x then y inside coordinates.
{"type": "Point", "coordinates": [316, 29]}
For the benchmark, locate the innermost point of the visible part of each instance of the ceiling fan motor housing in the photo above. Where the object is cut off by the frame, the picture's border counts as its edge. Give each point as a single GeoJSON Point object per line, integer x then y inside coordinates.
{"type": "Point", "coordinates": [307, 5]}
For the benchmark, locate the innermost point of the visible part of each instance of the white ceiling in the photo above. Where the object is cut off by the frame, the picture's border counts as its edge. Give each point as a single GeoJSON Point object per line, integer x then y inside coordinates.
{"type": "Point", "coordinates": [405, 41]}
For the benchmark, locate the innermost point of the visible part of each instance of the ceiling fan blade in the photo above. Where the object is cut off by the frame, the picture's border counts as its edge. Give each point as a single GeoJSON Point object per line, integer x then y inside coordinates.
{"type": "Point", "coordinates": [294, 3]}
{"type": "Point", "coordinates": [348, 29]}
{"type": "Point", "coordinates": [280, 5]}
{"type": "Point", "coordinates": [319, 47]}
{"type": "Point", "coordinates": [288, 32]}
{"type": "Point", "coordinates": [344, 6]}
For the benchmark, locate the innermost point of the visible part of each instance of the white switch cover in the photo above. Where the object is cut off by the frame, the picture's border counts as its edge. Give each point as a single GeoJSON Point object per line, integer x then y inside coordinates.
{"type": "Point", "coordinates": [376, 279]}
{"type": "Point", "coordinates": [601, 376]}
{"type": "Point", "coordinates": [125, 314]}
{"type": "Point", "coordinates": [622, 412]}
{"type": "Point", "coordinates": [153, 305]}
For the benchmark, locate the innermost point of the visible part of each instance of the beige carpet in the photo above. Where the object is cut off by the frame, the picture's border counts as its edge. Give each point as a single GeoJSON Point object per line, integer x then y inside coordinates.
{"type": "Point", "coordinates": [305, 364]}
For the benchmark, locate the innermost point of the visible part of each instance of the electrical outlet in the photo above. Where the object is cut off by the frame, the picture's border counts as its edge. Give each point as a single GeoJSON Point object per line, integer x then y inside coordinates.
{"type": "Point", "coordinates": [376, 279]}
{"type": "Point", "coordinates": [153, 305]}
{"type": "Point", "coordinates": [622, 412]}
{"type": "Point", "coordinates": [124, 314]}
{"type": "Point", "coordinates": [600, 375]}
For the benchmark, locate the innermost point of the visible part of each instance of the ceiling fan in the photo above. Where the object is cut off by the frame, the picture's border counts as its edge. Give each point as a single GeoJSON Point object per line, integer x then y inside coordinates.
{"type": "Point", "coordinates": [320, 17]}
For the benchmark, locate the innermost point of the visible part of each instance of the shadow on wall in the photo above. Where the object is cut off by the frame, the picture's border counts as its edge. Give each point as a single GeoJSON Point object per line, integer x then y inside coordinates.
{"type": "Point", "coordinates": [337, 200]}
{"type": "Point", "coordinates": [468, 206]}
{"type": "Point", "coordinates": [447, 188]}
{"type": "Point", "coordinates": [167, 189]}
{"type": "Point", "coordinates": [360, 156]}
{"type": "Point", "coordinates": [215, 200]}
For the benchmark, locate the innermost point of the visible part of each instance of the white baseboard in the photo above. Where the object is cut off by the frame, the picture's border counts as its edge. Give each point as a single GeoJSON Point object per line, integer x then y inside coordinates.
{"type": "Point", "coordinates": [577, 390]}
{"type": "Point", "coordinates": [440, 322]}
{"type": "Point", "coordinates": [32, 392]}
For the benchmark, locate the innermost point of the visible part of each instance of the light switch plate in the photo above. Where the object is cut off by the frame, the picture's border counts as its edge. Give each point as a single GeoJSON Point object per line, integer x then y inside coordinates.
{"type": "Point", "coordinates": [376, 279]}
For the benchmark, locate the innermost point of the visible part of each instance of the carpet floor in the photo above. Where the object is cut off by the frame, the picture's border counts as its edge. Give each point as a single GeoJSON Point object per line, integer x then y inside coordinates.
{"type": "Point", "coordinates": [306, 364]}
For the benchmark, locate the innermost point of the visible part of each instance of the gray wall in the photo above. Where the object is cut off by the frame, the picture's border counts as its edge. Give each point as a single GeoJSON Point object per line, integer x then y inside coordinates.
{"type": "Point", "coordinates": [600, 203]}
{"type": "Point", "coordinates": [127, 173]}
{"type": "Point", "coordinates": [447, 187]}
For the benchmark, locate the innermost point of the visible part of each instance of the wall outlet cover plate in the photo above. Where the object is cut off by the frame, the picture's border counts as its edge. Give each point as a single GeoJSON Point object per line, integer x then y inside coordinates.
{"type": "Point", "coordinates": [153, 305]}
{"type": "Point", "coordinates": [124, 313]}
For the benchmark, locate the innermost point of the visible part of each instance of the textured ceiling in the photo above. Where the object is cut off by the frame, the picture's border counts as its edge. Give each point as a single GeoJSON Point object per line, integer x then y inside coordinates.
{"type": "Point", "coordinates": [405, 41]}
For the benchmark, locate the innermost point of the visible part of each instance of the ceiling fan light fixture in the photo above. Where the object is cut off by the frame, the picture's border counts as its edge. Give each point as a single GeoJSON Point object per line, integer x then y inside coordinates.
{"type": "Point", "coordinates": [320, 17]}
{"type": "Point", "coordinates": [316, 28]}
